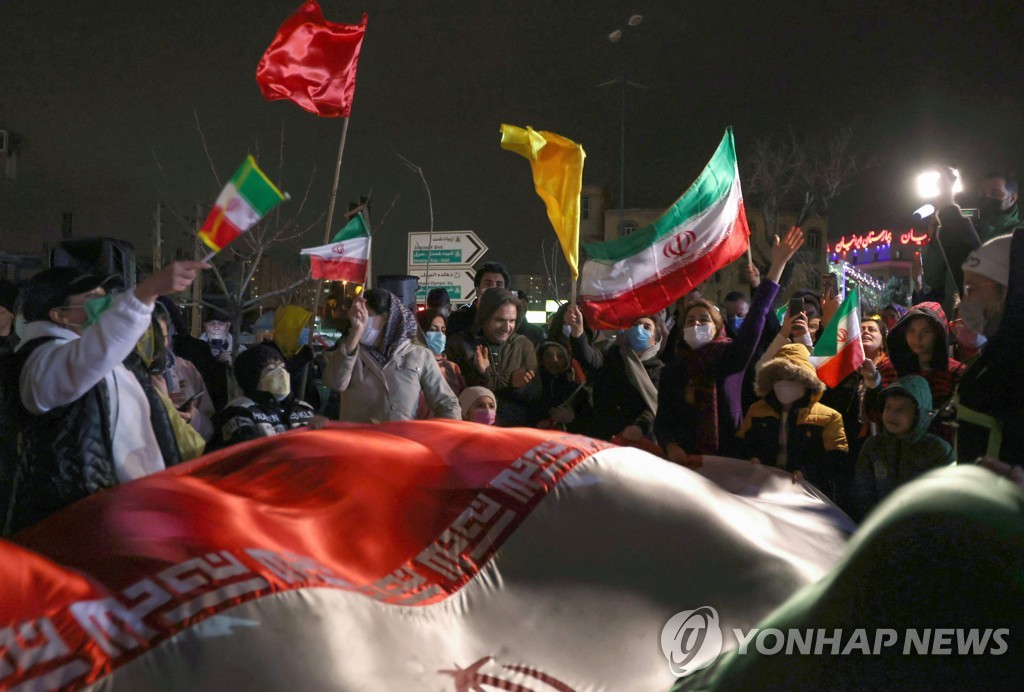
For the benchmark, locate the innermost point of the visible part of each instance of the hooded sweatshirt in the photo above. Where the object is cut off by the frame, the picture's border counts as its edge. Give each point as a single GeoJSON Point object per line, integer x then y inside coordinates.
{"type": "Point", "coordinates": [945, 371]}
{"type": "Point", "coordinates": [887, 461]}
{"type": "Point", "coordinates": [813, 440]}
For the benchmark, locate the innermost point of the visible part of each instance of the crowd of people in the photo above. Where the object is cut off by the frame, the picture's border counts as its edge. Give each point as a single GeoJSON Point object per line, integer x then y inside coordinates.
{"type": "Point", "coordinates": [102, 386]}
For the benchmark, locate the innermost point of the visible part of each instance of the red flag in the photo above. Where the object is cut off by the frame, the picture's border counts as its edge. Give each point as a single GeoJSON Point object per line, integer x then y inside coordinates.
{"type": "Point", "coordinates": [313, 62]}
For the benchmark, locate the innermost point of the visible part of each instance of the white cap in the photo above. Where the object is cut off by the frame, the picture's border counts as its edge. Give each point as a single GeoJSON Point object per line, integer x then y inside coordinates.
{"type": "Point", "coordinates": [992, 260]}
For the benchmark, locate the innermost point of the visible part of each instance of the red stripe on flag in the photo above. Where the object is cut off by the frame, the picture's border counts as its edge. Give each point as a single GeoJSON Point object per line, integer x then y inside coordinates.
{"type": "Point", "coordinates": [622, 311]}
{"type": "Point", "coordinates": [840, 366]}
{"type": "Point", "coordinates": [217, 231]}
{"type": "Point", "coordinates": [338, 270]}
{"type": "Point", "coordinates": [402, 513]}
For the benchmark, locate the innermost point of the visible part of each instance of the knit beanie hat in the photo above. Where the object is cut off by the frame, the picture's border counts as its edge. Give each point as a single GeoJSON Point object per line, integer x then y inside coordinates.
{"type": "Point", "coordinates": [471, 394]}
{"type": "Point", "coordinates": [992, 260]}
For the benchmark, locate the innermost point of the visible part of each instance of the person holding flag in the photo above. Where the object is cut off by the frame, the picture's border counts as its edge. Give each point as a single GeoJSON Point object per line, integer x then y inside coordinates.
{"type": "Point", "coordinates": [699, 399]}
{"type": "Point", "coordinates": [378, 369]}
{"type": "Point", "coordinates": [86, 421]}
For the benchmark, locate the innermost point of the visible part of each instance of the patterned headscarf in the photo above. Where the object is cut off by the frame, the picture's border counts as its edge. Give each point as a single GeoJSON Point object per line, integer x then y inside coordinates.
{"type": "Point", "coordinates": [399, 325]}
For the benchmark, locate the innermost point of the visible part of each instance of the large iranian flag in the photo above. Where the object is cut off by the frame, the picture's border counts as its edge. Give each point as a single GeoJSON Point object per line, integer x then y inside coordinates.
{"type": "Point", "coordinates": [839, 351]}
{"type": "Point", "coordinates": [653, 267]}
{"type": "Point", "coordinates": [346, 257]}
{"type": "Point", "coordinates": [416, 555]}
{"type": "Point", "coordinates": [247, 198]}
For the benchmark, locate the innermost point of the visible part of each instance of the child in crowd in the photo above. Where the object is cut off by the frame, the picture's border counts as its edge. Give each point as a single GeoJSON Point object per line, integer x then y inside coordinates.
{"type": "Point", "coordinates": [904, 449]}
{"type": "Point", "coordinates": [478, 405]}
{"type": "Point", "coordinates": [788, 428]}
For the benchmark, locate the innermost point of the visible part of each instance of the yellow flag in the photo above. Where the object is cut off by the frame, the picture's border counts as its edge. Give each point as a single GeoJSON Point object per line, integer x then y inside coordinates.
{"type": "Point", "coordinates": [289, 322]}
{"type": "Point", "coordinates": [557, 165]}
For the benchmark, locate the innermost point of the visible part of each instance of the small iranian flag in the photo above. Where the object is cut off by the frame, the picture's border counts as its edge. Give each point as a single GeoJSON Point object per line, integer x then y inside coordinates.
{"type": "Point", "coordinates": [346, 257]}
{"type": "Point", "coordinates": [646, 271]}
{"type": "Point", "coordinates": [839, 351]}
{"type": "Point", "coordinates": [247, 198]}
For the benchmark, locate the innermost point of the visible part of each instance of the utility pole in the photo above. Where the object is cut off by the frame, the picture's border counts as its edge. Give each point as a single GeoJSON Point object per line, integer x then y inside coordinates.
{"type": "Point", "coordinates": [623, 81]}
{"type": "Point", "coordinates": [197, 285]}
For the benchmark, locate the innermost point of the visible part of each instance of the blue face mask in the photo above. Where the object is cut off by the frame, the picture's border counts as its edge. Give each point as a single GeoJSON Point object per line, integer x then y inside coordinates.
{"type": "Point", "coordinates": [639, 338]}
{"type": "Point", "coordinates": [436, 341]}
{"type": "Point", "coordinates": [735, 323]}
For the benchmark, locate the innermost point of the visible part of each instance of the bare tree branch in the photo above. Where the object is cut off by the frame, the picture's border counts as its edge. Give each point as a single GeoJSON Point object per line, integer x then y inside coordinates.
{"type": "Point", "coordinates": [206, 149]}
{"type": "Point", "coordinates": [273, 294]}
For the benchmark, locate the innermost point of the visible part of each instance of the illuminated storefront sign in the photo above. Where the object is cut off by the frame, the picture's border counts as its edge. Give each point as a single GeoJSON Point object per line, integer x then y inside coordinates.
{"type": "Point", "coordinates": [876, 240]}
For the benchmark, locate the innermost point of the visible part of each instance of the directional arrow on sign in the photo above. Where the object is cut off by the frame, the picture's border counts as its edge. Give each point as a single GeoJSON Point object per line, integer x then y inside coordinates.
{"type": "Point", "coordinates": [446, 248]}
{"type": "Point", "coordinates": [458, 281]}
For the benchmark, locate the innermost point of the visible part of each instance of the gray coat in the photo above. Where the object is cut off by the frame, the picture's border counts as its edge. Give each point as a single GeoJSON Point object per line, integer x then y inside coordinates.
{"type": "Point", "coordinates": [371, 394]}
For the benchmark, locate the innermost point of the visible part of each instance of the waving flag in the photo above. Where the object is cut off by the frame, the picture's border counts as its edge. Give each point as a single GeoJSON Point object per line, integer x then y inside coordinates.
{"type": "Point", "coordinates": [839, 351]}
{"type": "Point", "coordinates": [247, 198]}
{"type": "Point", "coordinates": [346, 257]}
{"type": "Point", "coordinates": [557, 165]}
{"type": "Point", "coordinates": [655, 266]}
{"type": "Point", "coordinates": [428, 555]}
{"type": "Point", "coordinates": [313, 62]}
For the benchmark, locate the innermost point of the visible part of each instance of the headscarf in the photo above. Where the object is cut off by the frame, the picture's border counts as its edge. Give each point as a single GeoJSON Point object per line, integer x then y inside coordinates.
{"type": "Point", "coordinates": [289, 323]}
{"type": "Point", "coordinates": [399, 324]}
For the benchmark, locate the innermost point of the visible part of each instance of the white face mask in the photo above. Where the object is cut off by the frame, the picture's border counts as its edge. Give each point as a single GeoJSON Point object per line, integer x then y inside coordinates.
{"type": "Point", "coordinates": [787, 391]}
{"type": "Point", "coordinates": [968, 338]}
{"type": "Point", "coordinates": [973, 315]}
{"type": "Point", "coordinates": [370, 334]}
{"type": "Point", "coordinates": [698, 335]}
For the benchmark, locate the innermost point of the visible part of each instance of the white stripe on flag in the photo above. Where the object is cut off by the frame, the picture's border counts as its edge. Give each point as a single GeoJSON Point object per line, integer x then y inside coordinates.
{"type": "Point", "coordinates": [691, 240]}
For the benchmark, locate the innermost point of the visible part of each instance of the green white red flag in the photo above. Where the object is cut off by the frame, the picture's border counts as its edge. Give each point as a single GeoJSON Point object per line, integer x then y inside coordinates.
{"type": "Point", "coordinates": [655, 266]}
{"type": "Point", "coordinates": [839, 351]}
{"type": "Point", "coordinates": [247, 198]}
{"type": "Point", "coordinates": [346, 257]}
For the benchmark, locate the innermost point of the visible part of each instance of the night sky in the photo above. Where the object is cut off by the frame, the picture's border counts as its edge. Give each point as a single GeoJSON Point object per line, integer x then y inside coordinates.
{"type": "Point", "coordinates": [99, 91]}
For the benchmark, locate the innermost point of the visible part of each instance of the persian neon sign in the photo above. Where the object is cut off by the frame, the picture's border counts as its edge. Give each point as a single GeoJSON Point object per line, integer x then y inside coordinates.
{"type": "Point", "coordinates": [873, 239]}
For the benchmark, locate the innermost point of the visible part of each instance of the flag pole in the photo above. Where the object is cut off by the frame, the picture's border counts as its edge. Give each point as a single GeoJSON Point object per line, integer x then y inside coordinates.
{"type": "Point", "coordinates": [327, 238]}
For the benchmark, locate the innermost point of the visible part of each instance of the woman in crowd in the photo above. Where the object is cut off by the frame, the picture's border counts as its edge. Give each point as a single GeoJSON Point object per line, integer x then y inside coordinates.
{"type": "Point", "coordinates": [435, 330]}
{"type": "Point", "coordinates": [700, 404]}
{"type": "Point", "coordinates": [625, 378]}
{"type": "Point", "coordinates": [379, 371]}
{"type": "Point", "coordinates": [184, 384]}
{"type": "Point", "coordinates": [495, 357]}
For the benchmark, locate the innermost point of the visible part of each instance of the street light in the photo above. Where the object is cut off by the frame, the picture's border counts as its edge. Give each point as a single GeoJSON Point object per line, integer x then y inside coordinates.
{"type": "Point", "coordinates": [615, 37]}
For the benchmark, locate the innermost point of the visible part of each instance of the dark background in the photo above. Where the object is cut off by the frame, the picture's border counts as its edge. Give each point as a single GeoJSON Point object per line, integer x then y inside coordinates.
{"type": "Point", "coordinates": [98, 92]}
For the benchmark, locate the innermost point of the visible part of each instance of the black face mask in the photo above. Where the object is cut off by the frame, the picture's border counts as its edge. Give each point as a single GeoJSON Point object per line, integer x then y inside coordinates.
{"type": "Point", "coordinates": [990, 208]}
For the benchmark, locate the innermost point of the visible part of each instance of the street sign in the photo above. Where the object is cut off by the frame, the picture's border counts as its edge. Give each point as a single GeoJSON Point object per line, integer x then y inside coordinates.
{"type": "Point", "coordinates": [458, 281]}
{"type": "Point", "coordinates": [446, 249]}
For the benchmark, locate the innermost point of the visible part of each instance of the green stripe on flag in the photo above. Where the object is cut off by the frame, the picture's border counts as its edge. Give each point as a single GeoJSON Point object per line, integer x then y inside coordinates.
{"type": "Point", "coordinates": [711, 187]}
{"type": "Point", "coordinates": [827, 344]}
{"type": "Point", "coordinates": [253, 186]}
{"type": "Point", "coordinates": [355, 228]}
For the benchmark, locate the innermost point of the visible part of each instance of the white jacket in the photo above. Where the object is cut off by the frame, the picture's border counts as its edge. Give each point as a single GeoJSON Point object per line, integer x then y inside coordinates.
{"type": "Point", "coordinates": [61, 371]}
{"type": "Point", "coordinates": [371, 394]}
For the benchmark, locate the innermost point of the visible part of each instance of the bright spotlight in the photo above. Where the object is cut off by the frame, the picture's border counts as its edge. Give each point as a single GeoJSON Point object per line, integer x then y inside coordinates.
{"type": "Point", "coordinates": [928, 183]}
